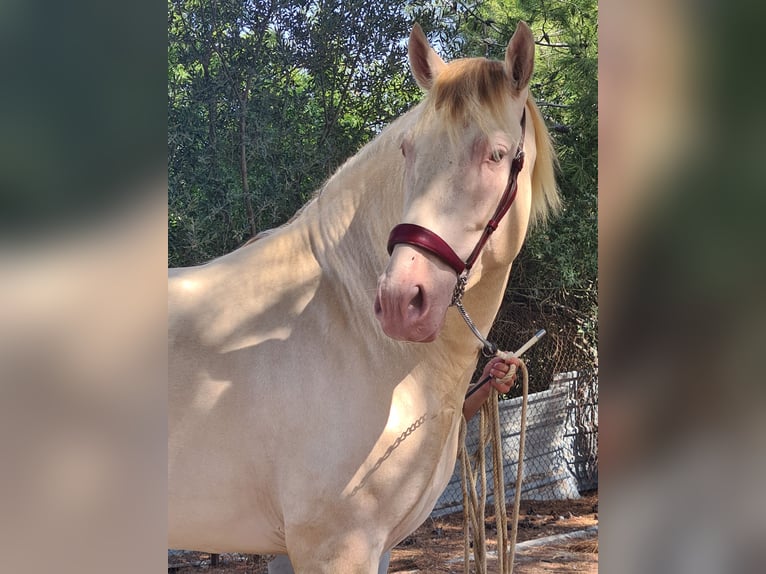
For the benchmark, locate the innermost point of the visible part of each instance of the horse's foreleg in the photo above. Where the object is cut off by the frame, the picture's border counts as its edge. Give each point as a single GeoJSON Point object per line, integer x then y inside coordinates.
{"type": "Point", "coordinates": [282, 565]}
{"type": "Point", "coordinates": [352, 554]}
{"type": "Point", "coordinates": [345, 564]}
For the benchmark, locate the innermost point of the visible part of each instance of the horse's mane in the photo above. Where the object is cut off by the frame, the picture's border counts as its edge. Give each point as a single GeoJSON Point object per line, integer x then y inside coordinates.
{"type": "Point", "coordinates": [545, 193]}
{"type": "Point", "coordinates": [267, 232]}
{"type": "Point", "coordinates": [476, 90]}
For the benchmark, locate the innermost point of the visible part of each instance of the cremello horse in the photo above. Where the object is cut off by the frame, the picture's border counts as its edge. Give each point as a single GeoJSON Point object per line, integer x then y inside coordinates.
{"type": "Point", "coordinates": [314, 403]}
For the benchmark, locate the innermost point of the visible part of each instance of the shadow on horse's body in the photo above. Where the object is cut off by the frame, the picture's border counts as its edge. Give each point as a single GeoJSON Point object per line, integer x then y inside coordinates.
{"type": "Point", "coordinates": [297, 423]}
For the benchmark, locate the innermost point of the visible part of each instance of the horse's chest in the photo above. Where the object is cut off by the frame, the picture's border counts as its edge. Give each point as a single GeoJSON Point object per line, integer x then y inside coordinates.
{"type": "Point", "coordinates": [423, 472]}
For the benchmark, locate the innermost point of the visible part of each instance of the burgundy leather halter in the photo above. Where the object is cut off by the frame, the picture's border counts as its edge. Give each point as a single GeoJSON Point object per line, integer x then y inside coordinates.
{"type": "Point", "coordinates": [426, 239]}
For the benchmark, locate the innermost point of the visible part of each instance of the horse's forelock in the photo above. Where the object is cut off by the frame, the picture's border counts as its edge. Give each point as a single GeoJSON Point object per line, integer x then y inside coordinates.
{"type": "Point", "coordinates": [471, 91]}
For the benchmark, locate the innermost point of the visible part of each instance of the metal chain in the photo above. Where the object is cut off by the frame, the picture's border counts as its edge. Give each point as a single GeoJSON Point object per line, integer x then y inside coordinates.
{"type": "Point", "coordinates": [457, 294]}
{"type": "Point", "coordinates": [489, 348]}
{"type": "Point", "coordinates": [389, 451]}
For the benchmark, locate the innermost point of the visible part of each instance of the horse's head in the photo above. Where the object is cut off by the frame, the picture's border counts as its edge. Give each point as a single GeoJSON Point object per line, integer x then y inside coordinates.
{"type": "Point", "coordinates": [458, 157]}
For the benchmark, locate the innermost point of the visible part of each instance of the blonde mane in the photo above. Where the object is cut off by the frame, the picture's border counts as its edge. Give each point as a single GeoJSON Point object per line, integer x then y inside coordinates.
{"type": "Point", "coordinates": [476, 91]}
{"type": "Point", "coordinates": [546, 200]}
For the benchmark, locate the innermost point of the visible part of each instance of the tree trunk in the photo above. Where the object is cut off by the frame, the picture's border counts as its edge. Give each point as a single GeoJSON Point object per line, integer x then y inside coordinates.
{"type": "Point", "coordinates": [243, 159]}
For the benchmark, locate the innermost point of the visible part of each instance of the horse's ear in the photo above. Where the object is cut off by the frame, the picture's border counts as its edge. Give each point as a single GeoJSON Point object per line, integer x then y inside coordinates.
{"type": "Point", "coordinates": [426, 64]}
{"type": "Point", "coordinates": [520, 57]}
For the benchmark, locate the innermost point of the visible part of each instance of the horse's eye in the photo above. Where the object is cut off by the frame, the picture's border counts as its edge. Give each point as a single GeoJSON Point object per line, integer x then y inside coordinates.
{"type": "Point", "coordinates": [497, 155]}
{"type": "Point", "coordinates": [401, 147]}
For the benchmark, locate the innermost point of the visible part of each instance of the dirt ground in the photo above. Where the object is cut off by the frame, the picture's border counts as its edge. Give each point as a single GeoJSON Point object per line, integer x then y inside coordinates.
{"type": "Point", "coordinates": [437, 546]}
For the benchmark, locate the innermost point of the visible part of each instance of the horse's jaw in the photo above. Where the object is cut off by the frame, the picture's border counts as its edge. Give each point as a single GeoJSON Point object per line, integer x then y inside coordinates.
{"type": "Point", "coordinates": [413, 295]}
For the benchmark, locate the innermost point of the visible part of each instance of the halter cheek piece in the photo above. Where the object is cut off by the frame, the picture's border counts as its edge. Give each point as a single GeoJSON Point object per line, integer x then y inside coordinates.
{"type": "Point", "coordinates": [427, 240]}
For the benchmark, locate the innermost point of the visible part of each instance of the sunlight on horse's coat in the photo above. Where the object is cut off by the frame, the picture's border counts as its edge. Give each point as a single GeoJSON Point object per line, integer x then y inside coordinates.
{"type": "Point", "coordinates": [189, 286]}
{"type": "Point", "coordinates": [208, 394]}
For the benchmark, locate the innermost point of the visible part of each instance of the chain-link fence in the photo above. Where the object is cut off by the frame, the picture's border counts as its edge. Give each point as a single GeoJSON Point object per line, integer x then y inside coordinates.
{"type": "Point", "coordinates": [561, 449]}
{"type": "Point", "coordinates": [560, 457]}
{"type": "Point", "coordinates": [582, 429]}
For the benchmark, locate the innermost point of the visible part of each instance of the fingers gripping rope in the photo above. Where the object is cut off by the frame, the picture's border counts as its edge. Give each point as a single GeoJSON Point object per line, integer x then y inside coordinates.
{"type": "Point", "coordinates": [505, 355]}
{"type": "Point", "coordinates": [537, 336]}
{"type": "Point", "coordinates": [508, 378]}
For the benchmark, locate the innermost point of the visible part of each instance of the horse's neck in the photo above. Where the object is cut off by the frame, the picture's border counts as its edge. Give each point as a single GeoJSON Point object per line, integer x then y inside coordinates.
{"type": "Point", "coordinates": [351, 217]}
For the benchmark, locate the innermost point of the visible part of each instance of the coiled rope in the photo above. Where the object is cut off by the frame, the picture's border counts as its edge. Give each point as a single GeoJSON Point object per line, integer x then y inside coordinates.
{"type": "Point", "coordinates": [474, 505]}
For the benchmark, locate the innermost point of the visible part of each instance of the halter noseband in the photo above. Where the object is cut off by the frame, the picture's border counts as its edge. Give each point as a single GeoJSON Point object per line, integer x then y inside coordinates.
{"type": "Point", "coordinates": [427, 240]}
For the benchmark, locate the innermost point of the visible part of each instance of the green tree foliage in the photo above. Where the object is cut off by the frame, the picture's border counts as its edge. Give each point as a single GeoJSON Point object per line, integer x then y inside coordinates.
{"type": "Point", "coordinates": [266, 98]}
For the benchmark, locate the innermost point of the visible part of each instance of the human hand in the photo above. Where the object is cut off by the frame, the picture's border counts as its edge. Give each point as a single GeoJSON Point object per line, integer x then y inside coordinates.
{"type": "Point", "coordinates": [499, 369]}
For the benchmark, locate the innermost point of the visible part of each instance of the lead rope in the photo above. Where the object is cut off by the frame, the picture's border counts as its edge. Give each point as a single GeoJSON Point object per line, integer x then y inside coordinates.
{"type": "Point", "coordinates": [474, 506]}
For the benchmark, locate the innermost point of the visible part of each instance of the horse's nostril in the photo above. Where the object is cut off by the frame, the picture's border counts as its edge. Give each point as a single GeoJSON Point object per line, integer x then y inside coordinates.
{"type": "Point", "coordinates": [417, 301]}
